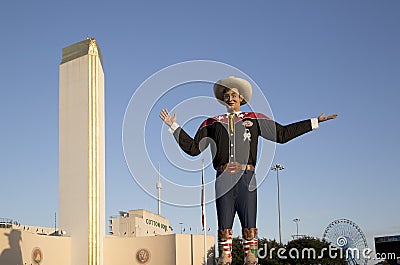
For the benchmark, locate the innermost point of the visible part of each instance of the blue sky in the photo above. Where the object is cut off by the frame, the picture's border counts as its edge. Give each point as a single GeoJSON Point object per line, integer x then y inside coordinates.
{"type": "Point", "coordinates": [307, 57]}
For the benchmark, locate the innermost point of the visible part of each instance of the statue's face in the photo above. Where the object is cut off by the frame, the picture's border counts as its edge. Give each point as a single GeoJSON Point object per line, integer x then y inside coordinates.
{"type": "Point", "coordinates": [232, 99]}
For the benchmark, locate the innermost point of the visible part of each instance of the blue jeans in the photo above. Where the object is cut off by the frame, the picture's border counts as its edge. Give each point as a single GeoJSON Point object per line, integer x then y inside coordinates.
{"type": "Point", "coordinates": [236, 193]}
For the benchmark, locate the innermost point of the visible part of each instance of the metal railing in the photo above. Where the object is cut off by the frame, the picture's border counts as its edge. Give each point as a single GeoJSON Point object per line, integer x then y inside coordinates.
{"type": "Point", "coordinates": [6, 223]}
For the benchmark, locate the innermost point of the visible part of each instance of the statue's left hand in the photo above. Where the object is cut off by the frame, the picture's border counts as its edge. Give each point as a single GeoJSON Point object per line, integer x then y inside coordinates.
{"type": "Point", "coordinates": [322, 117]}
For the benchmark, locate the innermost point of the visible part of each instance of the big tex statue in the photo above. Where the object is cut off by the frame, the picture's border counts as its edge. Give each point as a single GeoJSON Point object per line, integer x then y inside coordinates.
{"type": "Point", "coordinates": [233, 139]}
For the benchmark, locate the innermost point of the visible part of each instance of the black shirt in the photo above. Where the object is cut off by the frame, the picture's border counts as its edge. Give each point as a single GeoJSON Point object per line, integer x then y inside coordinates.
{"type": "Point", "coordinates": [237, 141]}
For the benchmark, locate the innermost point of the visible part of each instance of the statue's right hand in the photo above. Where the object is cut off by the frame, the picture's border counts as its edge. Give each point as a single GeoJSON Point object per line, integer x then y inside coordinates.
{"type": "Point", "coordinates": [167, 118]}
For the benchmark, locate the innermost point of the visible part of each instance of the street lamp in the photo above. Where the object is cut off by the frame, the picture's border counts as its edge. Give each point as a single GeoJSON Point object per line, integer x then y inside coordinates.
{"type": "Point", "coordinates": [297, 220]}
{"type": "Point", "coordinates": [181, 226]}
{"type": "Point", "coordinates": [278, 167]}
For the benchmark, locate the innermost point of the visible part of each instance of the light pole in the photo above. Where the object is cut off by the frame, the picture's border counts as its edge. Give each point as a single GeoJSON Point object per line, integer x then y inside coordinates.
{"type": "Point", "coordinates": [278, 167]}
{"type": "Point", "coordinates": [181, 226]}
{"type": "Point", "coordinates": [159, 187]}
{"type": "Point", "coordinates": [297, 220]}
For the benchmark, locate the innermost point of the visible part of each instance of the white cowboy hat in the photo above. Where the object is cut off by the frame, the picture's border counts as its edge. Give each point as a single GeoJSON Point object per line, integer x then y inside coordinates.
{"type": "Point", "coordinates": [231, 82]}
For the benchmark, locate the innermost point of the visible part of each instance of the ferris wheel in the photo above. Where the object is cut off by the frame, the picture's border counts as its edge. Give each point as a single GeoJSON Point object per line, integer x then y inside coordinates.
{"type": "Point", "coordinates": [345, 234]}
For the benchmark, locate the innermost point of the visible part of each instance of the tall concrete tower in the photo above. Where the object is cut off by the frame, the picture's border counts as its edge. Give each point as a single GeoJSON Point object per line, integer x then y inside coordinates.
{"type": "Point", "coordinates": [81, 151]}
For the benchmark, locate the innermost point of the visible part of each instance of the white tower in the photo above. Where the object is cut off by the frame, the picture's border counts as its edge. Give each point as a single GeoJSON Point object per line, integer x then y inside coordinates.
{"type": "Point", "coordinates": [81, 151]}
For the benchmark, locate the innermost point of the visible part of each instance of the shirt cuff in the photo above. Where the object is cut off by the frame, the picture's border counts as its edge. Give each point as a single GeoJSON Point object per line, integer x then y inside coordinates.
{"type": "Point", "coordinates": [314, 123]}
{"type": "Point", "coordinates": [173, 127]}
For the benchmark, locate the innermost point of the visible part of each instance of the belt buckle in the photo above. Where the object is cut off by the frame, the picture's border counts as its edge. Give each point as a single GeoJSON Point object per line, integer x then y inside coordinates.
{"type": "Point", "coordinates": [233, 167]}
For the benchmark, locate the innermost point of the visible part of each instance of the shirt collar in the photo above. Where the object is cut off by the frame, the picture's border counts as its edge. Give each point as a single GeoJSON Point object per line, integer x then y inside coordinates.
{"type": "Point", "coordinates": [236, 112]}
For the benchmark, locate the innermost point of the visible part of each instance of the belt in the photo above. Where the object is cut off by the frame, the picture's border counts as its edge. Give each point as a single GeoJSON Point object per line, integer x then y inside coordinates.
{"type": "Point", "coordinates": [233, 167]}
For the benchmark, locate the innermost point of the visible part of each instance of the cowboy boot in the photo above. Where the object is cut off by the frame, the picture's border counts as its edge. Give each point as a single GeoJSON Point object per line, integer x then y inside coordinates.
{"type": "Point", "coordinates": [250, 246]}
{"type": "Point", "coordinates": [225, 247]}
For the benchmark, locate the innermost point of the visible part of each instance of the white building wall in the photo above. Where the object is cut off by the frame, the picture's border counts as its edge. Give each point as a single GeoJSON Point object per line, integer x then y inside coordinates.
{"type": "Point", "coordinates": [73, 156]}
{"type": "Point", "coordinates": [16, 247]}
{"type": "Point", "coordinates": [140, 223]}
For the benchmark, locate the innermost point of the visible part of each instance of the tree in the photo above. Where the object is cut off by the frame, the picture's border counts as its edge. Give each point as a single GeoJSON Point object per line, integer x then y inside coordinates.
{"type": "Point", "coordinates": [268, 252]}
{"type": "Point", "coordinates": [309, 250]}
{"type": "Point", "coordinates": [237, 251]}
